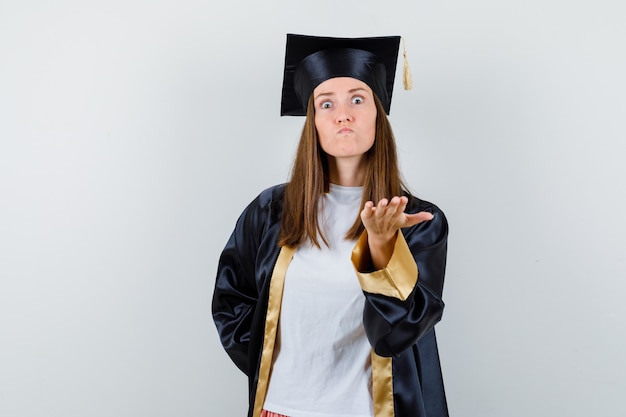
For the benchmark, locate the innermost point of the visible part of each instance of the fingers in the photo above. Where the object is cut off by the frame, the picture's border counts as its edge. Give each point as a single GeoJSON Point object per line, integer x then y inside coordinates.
{"type": "Point", "coordinates": [386, 217]}
{"type": "Point", "coordinates": [416, 218]}
{"type": "Point", "coordinates": [368, 210]}
{"type": "Point", "coordinates": [384, 206]}
{"type": "Point", "coordinates": [391, 208]}
{"type": "Point", "coordinates": [389, 214]}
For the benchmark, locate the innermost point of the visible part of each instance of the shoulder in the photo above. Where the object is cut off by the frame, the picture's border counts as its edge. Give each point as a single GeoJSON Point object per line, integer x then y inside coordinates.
{"type": "Point", "coordinates": [417, 204]}
{"type": "Point", "coordinates": [271, 194]}
{"type": "Point", "coordinates": [267, 205]}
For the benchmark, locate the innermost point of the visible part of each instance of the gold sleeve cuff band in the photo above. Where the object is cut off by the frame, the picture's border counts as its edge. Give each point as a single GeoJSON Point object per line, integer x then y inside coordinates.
{"type": "Point", "coordinates": [397, 279]}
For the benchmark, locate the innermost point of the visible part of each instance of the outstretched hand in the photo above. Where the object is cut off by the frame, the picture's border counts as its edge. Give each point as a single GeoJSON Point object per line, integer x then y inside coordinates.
{"type": "Point", "coordinates": [382, 223]}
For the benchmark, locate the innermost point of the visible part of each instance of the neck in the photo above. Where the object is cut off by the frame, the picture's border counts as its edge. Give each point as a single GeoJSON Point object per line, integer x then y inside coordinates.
{"type": "Point", "coordinates": [349, 172]}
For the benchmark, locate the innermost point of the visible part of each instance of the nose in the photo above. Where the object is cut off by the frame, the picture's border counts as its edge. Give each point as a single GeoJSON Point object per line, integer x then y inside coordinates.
{"type": "Point", "coordinates": [343, 114]}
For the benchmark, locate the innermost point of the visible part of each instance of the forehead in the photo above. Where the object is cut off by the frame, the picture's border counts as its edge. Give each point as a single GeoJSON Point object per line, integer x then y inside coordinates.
{"type": "Point", "coordinates": [340, 85]}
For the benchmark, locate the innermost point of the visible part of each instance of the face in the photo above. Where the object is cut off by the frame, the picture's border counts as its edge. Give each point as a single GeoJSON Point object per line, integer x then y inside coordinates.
{"type": "Point", "coordinates": [345, 117]}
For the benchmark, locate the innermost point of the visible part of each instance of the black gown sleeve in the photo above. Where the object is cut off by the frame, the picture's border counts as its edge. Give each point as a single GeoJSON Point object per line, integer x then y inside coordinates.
{"type": "Point", "coordinates": [403, 302]}
{"type": "Point", "coordinates": [235, 294]}
{"type": "Point", "coordinates": [243, 275]}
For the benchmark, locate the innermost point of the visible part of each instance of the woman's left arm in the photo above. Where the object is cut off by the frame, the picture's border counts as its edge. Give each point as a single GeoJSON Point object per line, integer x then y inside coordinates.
{"type": "Point", "coordinates": [404, 296]}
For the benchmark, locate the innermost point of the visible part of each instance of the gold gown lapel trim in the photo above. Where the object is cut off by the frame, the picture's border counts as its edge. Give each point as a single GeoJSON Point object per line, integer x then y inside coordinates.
{"type": "Point", "coordinates": [382, 386]}
{"type": "Point", "coordinates": [271, 325]}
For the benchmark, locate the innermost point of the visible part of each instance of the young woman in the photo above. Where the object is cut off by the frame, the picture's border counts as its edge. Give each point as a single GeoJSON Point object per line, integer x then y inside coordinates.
{"type": "Point", "coordinates": [329, 288]}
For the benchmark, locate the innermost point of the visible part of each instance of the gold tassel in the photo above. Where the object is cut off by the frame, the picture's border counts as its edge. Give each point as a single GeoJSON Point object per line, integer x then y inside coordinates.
{"type": "Point", "coordinates": [407, 79]}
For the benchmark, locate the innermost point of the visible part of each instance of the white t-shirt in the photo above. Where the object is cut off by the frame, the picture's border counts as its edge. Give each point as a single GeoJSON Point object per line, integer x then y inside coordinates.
{"type": "Point", "coordinates": [322, 364]}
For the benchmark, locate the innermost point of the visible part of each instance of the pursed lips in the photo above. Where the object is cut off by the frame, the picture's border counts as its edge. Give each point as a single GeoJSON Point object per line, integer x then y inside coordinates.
{"type": "Point", "coordinates": [345, 130]}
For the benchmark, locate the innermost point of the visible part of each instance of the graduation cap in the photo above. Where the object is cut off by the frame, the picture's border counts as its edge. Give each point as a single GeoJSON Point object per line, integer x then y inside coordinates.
{"type": "Point", "coordinates": [311, 60]}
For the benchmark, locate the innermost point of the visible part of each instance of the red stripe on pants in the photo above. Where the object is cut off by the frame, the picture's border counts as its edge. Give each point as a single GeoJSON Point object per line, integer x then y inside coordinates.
{"type": "Point", "coordinates": [266, 413]}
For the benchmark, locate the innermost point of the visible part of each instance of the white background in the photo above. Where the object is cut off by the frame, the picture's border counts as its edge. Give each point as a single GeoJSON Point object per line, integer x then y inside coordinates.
{"type": "Point", "coordinates": [133, 133]}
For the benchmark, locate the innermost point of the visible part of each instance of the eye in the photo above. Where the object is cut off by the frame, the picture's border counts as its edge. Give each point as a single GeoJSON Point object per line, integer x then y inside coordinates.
{"type": "Point", "coordinates": [357, 100]}
{"type": "Point", "coordinates": [326, 104]}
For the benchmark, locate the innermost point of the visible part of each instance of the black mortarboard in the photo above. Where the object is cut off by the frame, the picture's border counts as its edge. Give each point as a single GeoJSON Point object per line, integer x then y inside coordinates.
{"type": "Point", "coordinates": [311, 60]}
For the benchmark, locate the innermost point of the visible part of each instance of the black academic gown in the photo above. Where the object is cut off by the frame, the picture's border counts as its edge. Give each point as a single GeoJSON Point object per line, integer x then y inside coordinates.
{"type": "Point", "coordinates": [399, 328]}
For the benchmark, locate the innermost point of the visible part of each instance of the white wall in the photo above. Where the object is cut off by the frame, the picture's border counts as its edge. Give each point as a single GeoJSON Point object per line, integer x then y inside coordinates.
{"type": "Point", "coordinates": [132, 133]}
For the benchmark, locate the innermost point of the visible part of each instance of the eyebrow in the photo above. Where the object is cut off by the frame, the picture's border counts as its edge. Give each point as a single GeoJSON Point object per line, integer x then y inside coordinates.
{"type": "Point", "coordinates": [331, 93]}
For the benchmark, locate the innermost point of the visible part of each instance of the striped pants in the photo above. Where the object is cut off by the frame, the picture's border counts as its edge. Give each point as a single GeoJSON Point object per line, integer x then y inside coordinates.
{"type": "Point", "coordinates": [266, 413]}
